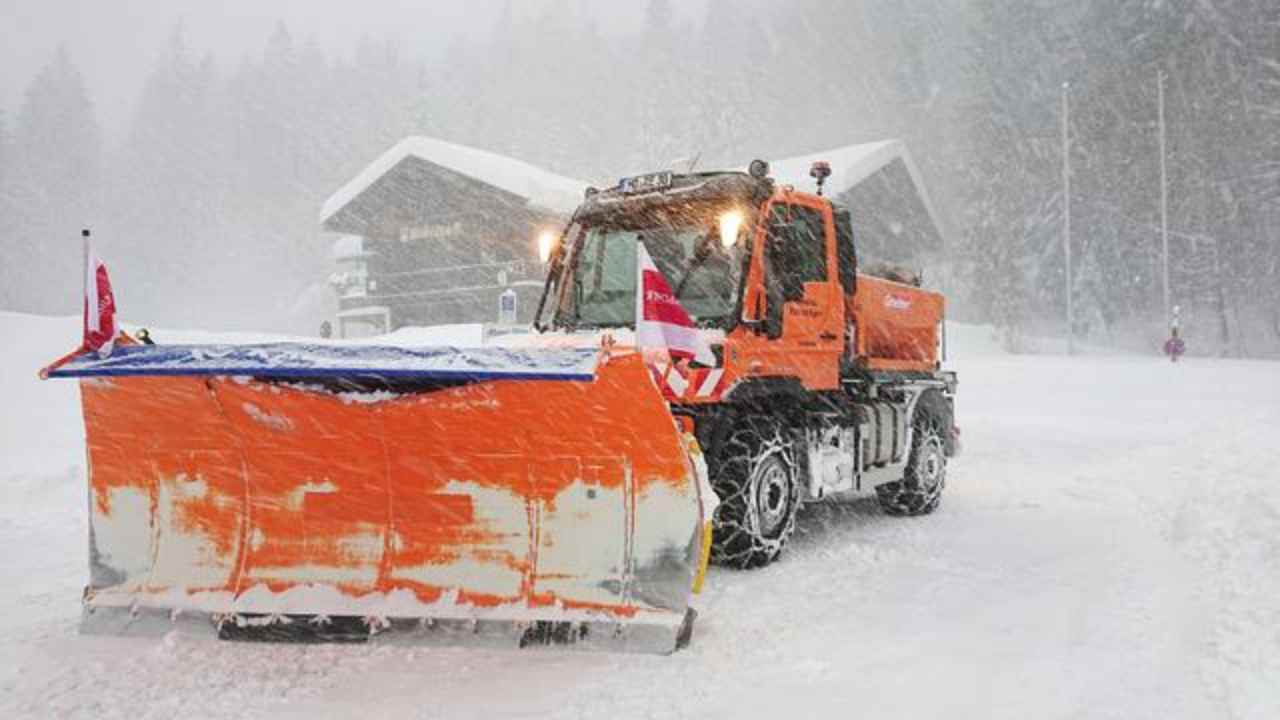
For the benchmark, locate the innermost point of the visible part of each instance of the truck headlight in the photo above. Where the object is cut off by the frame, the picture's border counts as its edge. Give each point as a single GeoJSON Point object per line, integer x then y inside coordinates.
{"type": "Point", "coordinates": [730, 223]}
{"type": "Point", "coordinates": [546, 244]}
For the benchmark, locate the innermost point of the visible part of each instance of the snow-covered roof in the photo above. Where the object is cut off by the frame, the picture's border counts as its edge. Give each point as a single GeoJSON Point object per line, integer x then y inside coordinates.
{"type": "Point", "coordinates": [851, 165]}
{"type": "Point", "coordinates": [540, 187]}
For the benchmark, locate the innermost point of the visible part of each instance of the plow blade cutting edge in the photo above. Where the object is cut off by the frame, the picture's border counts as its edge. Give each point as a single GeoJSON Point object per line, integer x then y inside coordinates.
{"type": "Point", "coordinates": [552, 505]}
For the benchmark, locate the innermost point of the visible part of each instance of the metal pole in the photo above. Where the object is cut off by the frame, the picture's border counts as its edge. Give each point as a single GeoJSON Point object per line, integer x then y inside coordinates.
{"type": "Point", "coordinates": [1066, 213]}
{"type": "Point", "coordinates": [1164, 202]}
{"type": "Point", "coordinates": [87, 274]}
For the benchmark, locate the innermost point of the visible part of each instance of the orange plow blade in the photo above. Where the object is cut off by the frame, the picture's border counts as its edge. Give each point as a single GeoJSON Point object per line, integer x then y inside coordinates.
{"type": "Point", "coordinates": [510, 510]}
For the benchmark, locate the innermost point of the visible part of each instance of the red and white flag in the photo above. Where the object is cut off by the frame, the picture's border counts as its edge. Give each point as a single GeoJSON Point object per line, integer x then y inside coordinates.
{"type": "Point", "coordinates": [661, 321]}
{"type": "Point", "coordinates": [99, 304]}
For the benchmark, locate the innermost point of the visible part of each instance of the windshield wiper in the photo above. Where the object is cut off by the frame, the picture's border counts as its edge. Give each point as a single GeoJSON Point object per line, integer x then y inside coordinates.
{"type": "Point", "coordinates": [577, 300]}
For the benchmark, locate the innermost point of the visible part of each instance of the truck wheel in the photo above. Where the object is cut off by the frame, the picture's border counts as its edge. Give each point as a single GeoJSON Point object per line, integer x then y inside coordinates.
{"type": "Point", "coordinates": [754, 473]}
{"type": "Point", "coordinates": [920, 490]}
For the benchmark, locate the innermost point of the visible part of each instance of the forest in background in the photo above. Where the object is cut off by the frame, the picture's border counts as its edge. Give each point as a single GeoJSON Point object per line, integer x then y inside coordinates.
{"type": "Point", "coordinates": [207, 205]}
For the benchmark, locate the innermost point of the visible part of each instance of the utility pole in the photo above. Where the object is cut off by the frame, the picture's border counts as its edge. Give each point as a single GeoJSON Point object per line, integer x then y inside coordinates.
{"type": "Point", "coordinates": [1164, 201]}
{"type": "Point", "coordinates": [1066, 211]}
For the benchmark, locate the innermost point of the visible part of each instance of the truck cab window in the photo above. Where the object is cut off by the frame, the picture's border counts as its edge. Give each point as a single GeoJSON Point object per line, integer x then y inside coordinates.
{"type": "Point", "coordinates": [601, 275]}
{"type": "Point", "coordinates": [846, 253]}
{"type": "Point", "coordinates": [797, 249]}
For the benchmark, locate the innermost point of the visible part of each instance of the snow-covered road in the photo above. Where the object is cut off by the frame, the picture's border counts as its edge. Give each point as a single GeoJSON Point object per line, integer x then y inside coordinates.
{"type": "Point", "coordinates": [1108, 546]}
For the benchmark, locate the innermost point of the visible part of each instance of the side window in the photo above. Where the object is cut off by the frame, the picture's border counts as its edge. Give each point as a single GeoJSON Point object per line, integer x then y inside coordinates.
{"type": "Point", "coordinates": [797, 250]}
{"type": "Point", "coordinates": [809, 252]}
{"type": "Point", "coordinates": [846, 253]}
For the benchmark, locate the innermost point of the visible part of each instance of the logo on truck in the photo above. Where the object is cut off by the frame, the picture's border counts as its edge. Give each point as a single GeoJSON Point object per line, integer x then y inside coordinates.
{"type": "Point", "coordinates": [897, 302]}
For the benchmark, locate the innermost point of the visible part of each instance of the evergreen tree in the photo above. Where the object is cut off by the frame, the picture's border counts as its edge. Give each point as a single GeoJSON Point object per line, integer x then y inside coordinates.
{"type": "Point", "coordinates": [4, 146]}
{"type": "Point", "coordinates": [1014, 196]}
{"type": "Point", "coordinates": [6, 155]}
{"type": "Point", "coordinates": [8, 222]}
{"type": "Point", "coordinates": [599, 128]}
{"type": "Point", "coordinates": [658, 23]}
{"type": "Point", "coordinates": [1220, 101]}
{"type": "Point", "coordinates": [54, 189]}
{"type": "Point", "coordinates": [731, 99]}
{"type": "Point", "coordinates": [170, 180]}
{"type": "Point", "coordinates": [1091, 296]}
{"type": "Point", "coordinates": [659, 114]}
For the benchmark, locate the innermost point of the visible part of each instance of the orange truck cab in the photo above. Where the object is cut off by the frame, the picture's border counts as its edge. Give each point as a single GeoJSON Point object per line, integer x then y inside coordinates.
{"type": "Point", "coordinates": [826, 380]}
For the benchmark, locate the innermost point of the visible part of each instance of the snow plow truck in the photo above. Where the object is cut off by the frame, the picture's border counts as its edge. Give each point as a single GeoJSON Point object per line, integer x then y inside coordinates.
{"type": "Point", "coordinates": [562, 487]}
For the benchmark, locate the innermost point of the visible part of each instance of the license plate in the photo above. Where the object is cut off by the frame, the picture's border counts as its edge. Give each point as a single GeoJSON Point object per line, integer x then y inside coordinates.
{"type": "Point", "coordinates": [651, 182]}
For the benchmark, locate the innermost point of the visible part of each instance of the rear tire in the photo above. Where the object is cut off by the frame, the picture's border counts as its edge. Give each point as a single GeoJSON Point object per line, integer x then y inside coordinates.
{"type": "Point", "coordinates": [920, 489]}
{"type": "Point", "coordinates": [756, 476]}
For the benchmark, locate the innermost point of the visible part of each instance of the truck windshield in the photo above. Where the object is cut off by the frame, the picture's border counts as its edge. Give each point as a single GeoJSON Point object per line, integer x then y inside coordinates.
{"type": "Point", "coordinates": [600, 283]}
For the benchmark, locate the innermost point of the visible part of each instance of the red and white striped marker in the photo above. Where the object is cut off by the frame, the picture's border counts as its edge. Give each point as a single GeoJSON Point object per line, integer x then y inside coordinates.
{"type": "Point", "coordinates": [99, 303]}
{"type": "Point", "coordinates": [661, 321]}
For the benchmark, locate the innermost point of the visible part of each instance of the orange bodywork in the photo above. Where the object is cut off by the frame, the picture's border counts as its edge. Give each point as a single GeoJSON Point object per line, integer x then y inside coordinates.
{"type": "Point", "coordinates": [482, 500]}
{"type": "Point", "coordinates": [895, 327]}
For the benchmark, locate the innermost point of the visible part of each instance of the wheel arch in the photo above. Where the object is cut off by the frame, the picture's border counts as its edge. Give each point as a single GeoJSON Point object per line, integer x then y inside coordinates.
{"type": "Point", "coordinates": [933, 402]}
{"type": "Point", "coordinates": [783, 397]}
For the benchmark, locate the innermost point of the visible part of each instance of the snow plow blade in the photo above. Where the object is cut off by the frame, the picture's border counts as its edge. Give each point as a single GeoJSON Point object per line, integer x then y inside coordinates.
{"type": "Point", "coordinates": [338, 494]}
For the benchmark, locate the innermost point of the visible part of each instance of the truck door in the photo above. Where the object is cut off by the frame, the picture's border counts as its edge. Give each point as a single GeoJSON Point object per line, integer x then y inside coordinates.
{"type": "Point", "coordinates": [803, 318]}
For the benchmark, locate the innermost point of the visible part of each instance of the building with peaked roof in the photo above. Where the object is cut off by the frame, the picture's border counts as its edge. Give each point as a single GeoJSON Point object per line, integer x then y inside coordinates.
{"type": "Point", "coordinates": [432, 232]}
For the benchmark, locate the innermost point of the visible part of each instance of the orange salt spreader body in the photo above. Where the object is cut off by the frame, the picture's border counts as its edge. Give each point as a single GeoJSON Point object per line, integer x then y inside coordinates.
{"type": "Point", "coordinates": [469, 504]}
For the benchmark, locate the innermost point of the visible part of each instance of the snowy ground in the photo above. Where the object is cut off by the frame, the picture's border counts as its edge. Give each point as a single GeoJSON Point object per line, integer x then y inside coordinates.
{"type": "Point", "coordinates": [1109, 546]}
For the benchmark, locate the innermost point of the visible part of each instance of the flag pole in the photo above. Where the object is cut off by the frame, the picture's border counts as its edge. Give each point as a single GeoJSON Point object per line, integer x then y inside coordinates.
{"type": "Point", "coordinates": [88, 276]}
{"type": "Point", "coordinates": [43, 374]}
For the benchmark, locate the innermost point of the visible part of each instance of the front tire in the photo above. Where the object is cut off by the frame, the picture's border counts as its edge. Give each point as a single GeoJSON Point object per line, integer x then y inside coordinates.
{"type": "Point", "coordinates": [920, 489]}
{"type": "Point", "coordinates": [756, 476]}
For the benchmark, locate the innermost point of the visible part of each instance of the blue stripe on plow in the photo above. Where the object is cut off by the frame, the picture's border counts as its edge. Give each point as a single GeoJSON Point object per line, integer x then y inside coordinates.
{"type": "Point", "coordinates": [294, 360]}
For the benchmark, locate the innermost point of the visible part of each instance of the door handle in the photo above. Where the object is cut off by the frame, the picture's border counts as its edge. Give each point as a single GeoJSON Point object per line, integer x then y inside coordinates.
{"type": "Point", "coordinates": [828, 336]}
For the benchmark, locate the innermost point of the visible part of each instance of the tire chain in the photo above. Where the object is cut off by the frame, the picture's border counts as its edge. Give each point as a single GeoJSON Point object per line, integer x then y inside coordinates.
{"type": "Point", "coordinates": [738, 542]}
{"type": "Point", "coordinates": [899, 498]}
